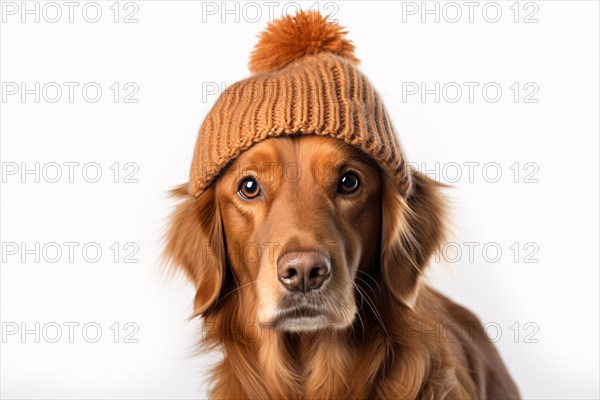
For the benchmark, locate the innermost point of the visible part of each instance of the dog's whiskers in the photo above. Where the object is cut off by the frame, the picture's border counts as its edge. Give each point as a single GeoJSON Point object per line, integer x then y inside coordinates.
{"type": "Point", "coordinates": [372, 306]}
{"type": "Point", "coordinates": [370, 277]}
{"type": "Point", "coordinates": [234, 290]}
{"type": "Point", "coordinates": [359, 308]}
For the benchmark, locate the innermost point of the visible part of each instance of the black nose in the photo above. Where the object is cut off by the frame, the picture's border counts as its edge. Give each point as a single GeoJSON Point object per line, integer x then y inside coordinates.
{"type": "Point", "coordinates": [303, 271]}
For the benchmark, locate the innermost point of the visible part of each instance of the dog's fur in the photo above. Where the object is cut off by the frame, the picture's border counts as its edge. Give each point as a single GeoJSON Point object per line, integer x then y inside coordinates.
{"type": "Point", "coordinates": [380, 331]}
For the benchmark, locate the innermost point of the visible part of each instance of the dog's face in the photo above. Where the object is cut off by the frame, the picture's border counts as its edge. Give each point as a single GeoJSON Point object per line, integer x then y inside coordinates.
{"type": "Point", "coordinates": [300, 217]}
{"type": "Point", "coordinates": [292, 229]}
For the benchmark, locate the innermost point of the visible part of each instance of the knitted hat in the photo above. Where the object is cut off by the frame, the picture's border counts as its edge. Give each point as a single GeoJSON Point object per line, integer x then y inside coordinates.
{"type": "Point", "coordinates": [305, 81]}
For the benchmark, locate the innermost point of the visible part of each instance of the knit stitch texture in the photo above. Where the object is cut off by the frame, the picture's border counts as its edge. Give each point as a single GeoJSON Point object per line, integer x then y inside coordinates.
{"type": "Point", "coordinates": [306, 82]}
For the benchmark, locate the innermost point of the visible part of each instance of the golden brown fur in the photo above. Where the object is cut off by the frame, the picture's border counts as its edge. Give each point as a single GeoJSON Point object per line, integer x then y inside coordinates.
{"type": "Point", "coordinates": [383, 333]}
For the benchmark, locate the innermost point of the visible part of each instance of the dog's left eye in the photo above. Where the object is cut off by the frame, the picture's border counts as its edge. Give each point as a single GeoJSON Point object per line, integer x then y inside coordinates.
{"type": "Point", "coordinates": [349, 183]}
{"type": "Point", "coordinates": [249, 188]}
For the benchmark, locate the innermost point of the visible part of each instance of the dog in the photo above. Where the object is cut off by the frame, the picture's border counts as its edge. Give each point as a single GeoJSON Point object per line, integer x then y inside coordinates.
{"type": "Point", "coordinates": [306, 235]}
{"type": "Point", "coordinates": [308, 268]}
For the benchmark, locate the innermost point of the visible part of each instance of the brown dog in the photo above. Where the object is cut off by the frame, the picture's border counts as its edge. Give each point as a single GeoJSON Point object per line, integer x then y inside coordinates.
{"type": "Point", "coordinates": [307, 263]}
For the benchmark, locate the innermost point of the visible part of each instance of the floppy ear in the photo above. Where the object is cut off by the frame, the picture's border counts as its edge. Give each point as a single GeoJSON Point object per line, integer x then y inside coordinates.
{"type": "Point", "coordinates": [412, 229]}
{"type": "Point", "coordinates": [195, 245]}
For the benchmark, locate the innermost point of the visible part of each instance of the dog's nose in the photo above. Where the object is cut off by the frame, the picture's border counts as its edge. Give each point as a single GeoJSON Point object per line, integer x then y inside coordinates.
{"type": "Point", "coordinates": [303, 271]}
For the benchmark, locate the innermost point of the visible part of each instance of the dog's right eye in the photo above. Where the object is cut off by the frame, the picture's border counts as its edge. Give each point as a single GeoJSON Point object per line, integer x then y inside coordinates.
{"type": "Point", "coordinates": [249, 188]}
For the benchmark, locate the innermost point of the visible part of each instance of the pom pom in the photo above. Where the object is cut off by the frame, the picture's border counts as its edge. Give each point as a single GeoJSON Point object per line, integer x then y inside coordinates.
{"type": "Point", "coordinates": [292, 37]}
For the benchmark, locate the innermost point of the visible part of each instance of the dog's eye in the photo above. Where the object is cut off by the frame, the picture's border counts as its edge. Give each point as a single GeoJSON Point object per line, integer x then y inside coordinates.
{"type": "Point", "coordinates": [348, 183]}
{"type": "Point", "coordinates": [249, 188]}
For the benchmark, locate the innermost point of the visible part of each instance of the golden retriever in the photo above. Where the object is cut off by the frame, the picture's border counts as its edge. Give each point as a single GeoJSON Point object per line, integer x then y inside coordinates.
{"type": "Point", "coordinates": [308, 269]}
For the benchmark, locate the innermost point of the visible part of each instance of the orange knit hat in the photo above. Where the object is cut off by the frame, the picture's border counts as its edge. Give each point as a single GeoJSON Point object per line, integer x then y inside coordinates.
{"type": "Point", "coordinates": [305, 81]}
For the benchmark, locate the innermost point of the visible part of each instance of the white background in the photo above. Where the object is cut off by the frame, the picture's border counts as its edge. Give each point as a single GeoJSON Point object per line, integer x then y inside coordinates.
{"type": "Point", "coordinates": [176, 54]}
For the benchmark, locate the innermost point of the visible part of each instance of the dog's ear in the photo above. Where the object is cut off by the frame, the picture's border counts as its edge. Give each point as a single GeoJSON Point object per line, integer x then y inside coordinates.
{"type": "Point", "coordinates": [194, 244]}
{"type": "Point", "coordinates": [413, 227]}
